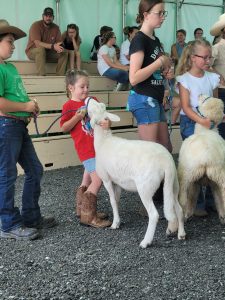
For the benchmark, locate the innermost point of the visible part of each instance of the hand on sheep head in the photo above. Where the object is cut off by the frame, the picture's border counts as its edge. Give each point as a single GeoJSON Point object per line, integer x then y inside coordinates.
{"type": "Point", "coordinates": [105, 124]}
{"type": "Point", "coordinates": [80, 114]}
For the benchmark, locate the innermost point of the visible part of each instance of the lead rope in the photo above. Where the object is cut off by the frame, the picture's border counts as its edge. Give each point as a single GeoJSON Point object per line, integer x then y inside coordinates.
{"type": "Point", "coordinates": [86, 123]}
{"type": "Point", "coordinates": [47, 130]}
{"type": "Point", "coordinates": [170, 100]}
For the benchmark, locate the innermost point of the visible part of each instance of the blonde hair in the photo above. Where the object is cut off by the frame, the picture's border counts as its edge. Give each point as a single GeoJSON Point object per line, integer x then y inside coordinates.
{"type": "Point", "coordinates": [185, 63]}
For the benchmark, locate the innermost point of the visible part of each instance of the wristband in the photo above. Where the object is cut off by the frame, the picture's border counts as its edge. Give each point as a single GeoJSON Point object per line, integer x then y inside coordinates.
{"type": "Point", "coordinates": [52, 46]}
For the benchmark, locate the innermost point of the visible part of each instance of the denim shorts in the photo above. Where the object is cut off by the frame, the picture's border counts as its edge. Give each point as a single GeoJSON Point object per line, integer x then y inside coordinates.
{"type": "Point", "coordinates": [89, 165]}
{"type": "Point", "coordinates": [187, 126]}
{"type": "Point", "coordinates": [145, 109]}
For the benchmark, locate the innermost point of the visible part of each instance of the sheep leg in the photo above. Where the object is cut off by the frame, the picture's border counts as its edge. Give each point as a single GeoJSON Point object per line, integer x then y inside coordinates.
{"type": "Point", "coordinates": [183, 195]}
{"type": "Point", "coordinates": [222, 205]}
{"type": "Point", "coordinates": [114, 194]}
{"type": "Point", "coordinates": [188, 197]}
{"type": "Point", "coordinates": [172, 224]}
{"type": "Point", "coordinates": [193, 193]}
{"type": "Point", "coordinates": [146, 193]}
{"type": "Point", "coordinates": [218, 196]}
{"type": "Point", "coordinates": [218, 189]}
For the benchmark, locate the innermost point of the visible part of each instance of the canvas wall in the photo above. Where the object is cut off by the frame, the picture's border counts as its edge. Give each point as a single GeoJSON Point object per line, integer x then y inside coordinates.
{"type": "Point", "coordinates": [90, 15]}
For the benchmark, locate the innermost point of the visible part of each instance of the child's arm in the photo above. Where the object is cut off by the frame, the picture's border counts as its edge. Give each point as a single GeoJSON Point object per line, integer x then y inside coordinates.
{"type": "Point", "coordinates": [68, 125]}
{"type": "Point", "coordinates": [185, 105]}
{"type": "Point", "coordinates": [10, 106]}
{"type": "Point", "coordinates": [138, 74]}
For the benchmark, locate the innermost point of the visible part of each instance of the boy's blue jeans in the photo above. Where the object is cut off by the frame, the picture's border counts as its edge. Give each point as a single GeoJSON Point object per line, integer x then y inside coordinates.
{"type": "Point", "coordinates": [16, 147]}
{"type": "Point", "coordinates": [187, 127]}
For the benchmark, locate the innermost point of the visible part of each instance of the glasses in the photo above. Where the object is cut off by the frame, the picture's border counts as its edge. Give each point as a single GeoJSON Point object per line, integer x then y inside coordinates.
{"type": "Point", "coordinates": [204, 57]}
{"type": "Point", "coordinates": [161, 14]}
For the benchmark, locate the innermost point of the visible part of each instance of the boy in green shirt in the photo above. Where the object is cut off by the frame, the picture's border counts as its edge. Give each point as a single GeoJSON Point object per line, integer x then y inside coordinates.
{"type": "Point", "coordinates": [16, 146]}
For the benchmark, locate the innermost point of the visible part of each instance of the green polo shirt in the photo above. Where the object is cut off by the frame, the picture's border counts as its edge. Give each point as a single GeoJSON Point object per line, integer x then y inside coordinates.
{"type": "Point", "coordinates": [11, 87]}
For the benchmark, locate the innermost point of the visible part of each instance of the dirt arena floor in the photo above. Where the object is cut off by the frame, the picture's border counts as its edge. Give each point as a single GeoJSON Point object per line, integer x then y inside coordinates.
{"type": "Point", "coordinates": [74, 262]}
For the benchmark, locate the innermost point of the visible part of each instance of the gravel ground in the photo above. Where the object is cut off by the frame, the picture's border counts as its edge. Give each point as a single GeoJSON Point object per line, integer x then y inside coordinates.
{"type": "Point", "coordinates": [76, 262]}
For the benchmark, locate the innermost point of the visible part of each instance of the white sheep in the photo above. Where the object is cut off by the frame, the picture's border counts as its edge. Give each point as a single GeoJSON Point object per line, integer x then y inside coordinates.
{"type": "Point", "coordinates": [136, 166]}
{"type": "Point", "coordinates": [202, 160]}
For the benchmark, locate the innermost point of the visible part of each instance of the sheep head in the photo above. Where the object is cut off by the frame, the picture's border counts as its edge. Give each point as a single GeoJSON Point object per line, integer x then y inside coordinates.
{"type": "Point", "coordinates": [97, 112]}
{"type": "Point", "coordinates": [211, 108]}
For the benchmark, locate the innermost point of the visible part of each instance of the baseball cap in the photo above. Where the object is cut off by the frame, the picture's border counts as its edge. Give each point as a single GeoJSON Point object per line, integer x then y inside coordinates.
{"type": "Point", "coordinates": [48, 11]}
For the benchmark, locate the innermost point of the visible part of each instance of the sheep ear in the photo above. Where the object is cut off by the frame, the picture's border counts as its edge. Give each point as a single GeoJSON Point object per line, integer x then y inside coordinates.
{"type": "Point", "coordinates": [113, 117]}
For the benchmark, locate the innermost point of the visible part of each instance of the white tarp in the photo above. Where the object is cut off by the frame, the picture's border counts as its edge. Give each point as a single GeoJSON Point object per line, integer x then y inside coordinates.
{"type": "Point", "coordinates": [90, 15]}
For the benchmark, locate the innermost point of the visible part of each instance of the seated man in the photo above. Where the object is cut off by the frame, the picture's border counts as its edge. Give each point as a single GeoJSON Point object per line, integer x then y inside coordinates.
{"type": "Point", "coordinates": [44, 44]}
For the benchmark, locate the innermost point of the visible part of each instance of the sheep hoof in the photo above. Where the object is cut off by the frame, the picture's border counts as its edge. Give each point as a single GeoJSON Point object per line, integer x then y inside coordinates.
{"type": "Point", "coordinates": [222, 220]}
{"type": "Point", "coordinates": [144, 244]}
{"type": "Point", "coordinates": [182, 236]}
{"type": "Point", "coordinates": [169, 232]}
{"type": "Point", "coordinates": [172, 227]}
{"type": "Point", "coordinates": [115, 225]}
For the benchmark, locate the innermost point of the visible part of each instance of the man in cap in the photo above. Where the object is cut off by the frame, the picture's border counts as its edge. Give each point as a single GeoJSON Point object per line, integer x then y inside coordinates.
{"type": "Point", "coordinates": [218, 53]}
{"type": "Point", "coordinates": [44, 44]}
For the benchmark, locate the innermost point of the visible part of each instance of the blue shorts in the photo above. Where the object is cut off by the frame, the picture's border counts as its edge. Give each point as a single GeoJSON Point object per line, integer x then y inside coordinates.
{"type": "Point", "coordinates": [187, 126]}
{"type": "Point", "coordinates": [89, 165]}
{"type": "Point", "coordinates": [145, 109]}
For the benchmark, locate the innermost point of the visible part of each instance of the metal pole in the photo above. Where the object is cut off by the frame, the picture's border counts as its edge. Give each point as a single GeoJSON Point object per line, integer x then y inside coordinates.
{"type": "Point", "coordinates": [124, 8]}
{"type": "Point", "coordinates": [124, 15]}
{"type": "Point", "coordinates": [177, 16]}
{"type": "Point", "coordinates": [199, 4]}
{"type": "Point", "coordinates": [57, 12]}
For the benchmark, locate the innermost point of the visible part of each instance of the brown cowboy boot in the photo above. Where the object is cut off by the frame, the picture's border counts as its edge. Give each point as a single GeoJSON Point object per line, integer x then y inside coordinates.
{"type": "Point", "coordinates": [89, 214]}
{"type": "Point", "coordinates": [78, 199]}
{"type": "Point", "coordinates": [78, 203]}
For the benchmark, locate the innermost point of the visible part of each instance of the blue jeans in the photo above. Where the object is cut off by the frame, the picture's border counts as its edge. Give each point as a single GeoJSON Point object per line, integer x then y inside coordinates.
{"type": "Point", "coordinates": [187, 127]}
{"type": "Point", "coordinates": [16, 147]}
{"type": "Point", "coordinates": [120, 76]}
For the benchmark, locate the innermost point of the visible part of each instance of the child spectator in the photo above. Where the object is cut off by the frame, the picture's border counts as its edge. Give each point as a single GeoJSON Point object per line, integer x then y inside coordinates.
{"type": "Point", "coordinates": [97, 43]}
{"type": "Point", "coordinates": [193, 80]}
{"type": "Point", "coordinates": [125, 47]}
{"type": "Point", "coordinates": [71, 43]}
{"type": "Point", "coordinates": [16, 146]}
{"type": "Point", "coordinates": [108, 64]}
{"type": "Point", "coordinates": [73, 121]}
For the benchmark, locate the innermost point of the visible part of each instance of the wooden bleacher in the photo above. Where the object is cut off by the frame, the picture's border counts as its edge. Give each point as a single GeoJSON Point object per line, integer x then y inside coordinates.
{"type": "Point", "coordinates": [27, 67]}
{"type": "Point", "coordinates": [56, 149]}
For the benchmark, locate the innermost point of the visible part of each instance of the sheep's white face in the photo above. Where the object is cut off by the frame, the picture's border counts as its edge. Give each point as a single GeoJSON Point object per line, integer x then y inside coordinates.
{"type": "Point", "coordinates": [211, 108]}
